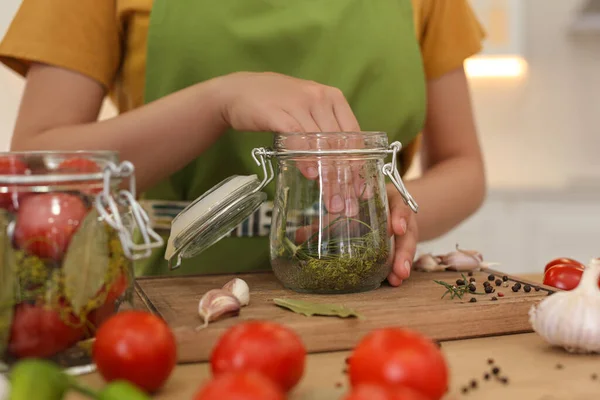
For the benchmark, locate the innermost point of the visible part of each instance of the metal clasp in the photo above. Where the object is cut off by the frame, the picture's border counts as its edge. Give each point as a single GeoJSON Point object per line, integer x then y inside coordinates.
{"type": "Point", "coordinates": [262, 157]}
{"type": "Point", "coordinates": [141, 221]}
{"type": "Point", "coordinates": [391, 171]}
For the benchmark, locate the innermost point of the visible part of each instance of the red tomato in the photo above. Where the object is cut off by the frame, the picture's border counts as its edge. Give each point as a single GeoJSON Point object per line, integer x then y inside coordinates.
{"type": "Point", "coordinates": [37, 331]}
{"type": "Point", "coordinates": [108, 308]}
{"type": "Point", "coordinates": [396, 357]}
{"type": "Point", "coordinates": [78, 165]}
{"type": "Point", "coordinates": [568, 261]}
{"type": "Point", "coordinates": [240, 385]}
{"type": "Point", "coordinates": [374, 392]}
{"type": "Point", "coordinates": [136, 346]}
{"type": "Point", "coordinates": [564, 276]}
{"type": "Point", "coordinates": [269, 348]}
{"type": "Point", "coordinates": [46, 222]}
{"type": "Point", "coordinates": [10, 165]}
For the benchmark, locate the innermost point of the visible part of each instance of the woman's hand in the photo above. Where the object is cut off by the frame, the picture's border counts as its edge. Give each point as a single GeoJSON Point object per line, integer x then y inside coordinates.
{"type": "Point", "coordinates": [406, 236]}
{"type": "Point", "coordinates": [273, 102]}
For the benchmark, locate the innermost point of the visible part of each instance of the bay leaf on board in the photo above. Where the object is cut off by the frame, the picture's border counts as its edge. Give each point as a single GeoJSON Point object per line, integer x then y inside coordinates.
{"type": "Point", "coordinates": [86, 262]}
{"type": "Point", "coordinates": [7, 281]}
{"type": "Point", "coordinates": [310, 309]}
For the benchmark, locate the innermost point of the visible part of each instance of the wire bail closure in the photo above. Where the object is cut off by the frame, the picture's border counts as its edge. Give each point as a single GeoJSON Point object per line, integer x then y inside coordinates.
{"type": "Point", "coordinates": [391, 171]}
{"type": "Point", "coordinates": [141, 221]}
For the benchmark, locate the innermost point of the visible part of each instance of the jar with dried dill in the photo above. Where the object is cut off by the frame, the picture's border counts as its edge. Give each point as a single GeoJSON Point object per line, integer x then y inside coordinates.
{"type": "Point", "coordinates": [330, 228]}
{"type": "Point", "coordinates": [66, 250]}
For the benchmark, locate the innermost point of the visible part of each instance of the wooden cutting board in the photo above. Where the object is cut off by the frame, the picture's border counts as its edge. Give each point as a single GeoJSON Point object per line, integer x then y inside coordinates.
{"type": "Point", "coordinates": [417, 304]}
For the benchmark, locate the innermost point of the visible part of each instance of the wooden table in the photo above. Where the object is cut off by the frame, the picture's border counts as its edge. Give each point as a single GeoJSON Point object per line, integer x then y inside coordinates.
{"type": "Point", "coordinates": [534, 370]}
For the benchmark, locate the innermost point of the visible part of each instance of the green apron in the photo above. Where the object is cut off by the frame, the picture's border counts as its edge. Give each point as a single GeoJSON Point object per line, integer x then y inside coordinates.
{"type": "Point", "coordinates": [366, 48]}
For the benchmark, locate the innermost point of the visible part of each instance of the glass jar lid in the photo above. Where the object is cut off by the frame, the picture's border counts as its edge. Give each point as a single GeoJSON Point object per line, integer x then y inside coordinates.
{"type": "Point", "coordinates": [216, 213]}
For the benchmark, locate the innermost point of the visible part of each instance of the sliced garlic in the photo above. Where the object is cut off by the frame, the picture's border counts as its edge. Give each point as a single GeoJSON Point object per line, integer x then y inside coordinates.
{"type": "Point", "coordinates": [571, 319]}
{"type": "Point", "coordinates": [215, 304]}
{"type": "Point", "coordinates": [239, 288]}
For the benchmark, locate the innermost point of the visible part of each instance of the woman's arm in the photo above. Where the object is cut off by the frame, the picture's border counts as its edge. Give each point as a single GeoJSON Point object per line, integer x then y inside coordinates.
{"type": "Point", "coordinates": [59, 110]}
{"type": "Point", "coordinates": [60, 107]}
{"type": "Point", "coordinates": [452, 186]}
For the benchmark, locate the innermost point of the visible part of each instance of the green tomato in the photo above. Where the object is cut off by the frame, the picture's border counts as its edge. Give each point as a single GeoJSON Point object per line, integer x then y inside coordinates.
{"type": "Point", "coordinates": [37, 379]}
{"type": "Point", "coordinates": [119, 390]}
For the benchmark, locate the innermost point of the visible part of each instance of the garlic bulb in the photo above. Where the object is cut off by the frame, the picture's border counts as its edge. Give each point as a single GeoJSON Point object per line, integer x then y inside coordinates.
{"type": "Point", "coordinates": [215, 304]}
{"type": "Point", "coordinates": [4, 388]}
{"type": "Point", "coordinates": [239, 288]}
{"type": "Point", "coordinates": [571, 319]}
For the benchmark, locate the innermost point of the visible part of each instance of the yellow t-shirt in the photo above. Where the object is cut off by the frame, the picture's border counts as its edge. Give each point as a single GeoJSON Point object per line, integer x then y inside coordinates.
{"type": "Point", "coordinates": [106, 40]}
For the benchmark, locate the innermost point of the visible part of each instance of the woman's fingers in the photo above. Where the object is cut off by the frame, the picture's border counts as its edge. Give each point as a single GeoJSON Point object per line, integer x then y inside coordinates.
{"type": "Point", "coordinates": [404, 227]}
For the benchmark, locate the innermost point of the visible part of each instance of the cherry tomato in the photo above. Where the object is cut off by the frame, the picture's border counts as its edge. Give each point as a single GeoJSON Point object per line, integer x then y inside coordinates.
{"type": "Point", "coordinates": [567, 261]}
{"type": "Point", "coordinates": [46, 222]}
{"type": "Point", "coordinates": [10, 165]}
{"type": "Point", "coordinates": [240, 385]}
{"type": "Point", "coordinates": [37, 331]}
{"type": "Point", "coordinates": [269, 348]}
{"type": "Point", "coordinates": [396, 357]}
{"type": "Point", "coordinates": [136, 346]}
{"type": "Point", "coordinates": [374, 392]}
{"type": "Point", "coordinates": [78, 165]}
{"type": "Point", "coordinates": [108, 308]}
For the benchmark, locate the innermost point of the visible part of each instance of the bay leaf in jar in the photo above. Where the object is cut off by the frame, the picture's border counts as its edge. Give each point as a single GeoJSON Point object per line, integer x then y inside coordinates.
{"type": "Point", "coordinates": [86, 262]}
{"type": "Point", "coordinates": [7, 281]}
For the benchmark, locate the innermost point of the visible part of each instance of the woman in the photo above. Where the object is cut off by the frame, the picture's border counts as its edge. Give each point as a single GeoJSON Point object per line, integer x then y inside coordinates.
{"type": "Point", "coordinates": [195, 82]}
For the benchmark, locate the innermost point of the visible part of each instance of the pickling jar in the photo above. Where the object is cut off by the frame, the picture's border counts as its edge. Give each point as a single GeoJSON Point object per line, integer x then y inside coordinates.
{"type": "Point", "coordinates": [66, 250]}
{"type": "Point", "coordinates": [330, 226]}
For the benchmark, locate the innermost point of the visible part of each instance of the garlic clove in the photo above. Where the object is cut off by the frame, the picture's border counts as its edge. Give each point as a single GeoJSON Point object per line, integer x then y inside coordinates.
{"type": "Point", "coordinates": [216, 304]}
{"type": "Point", "coordinates": [239, 288]}
{"type": "Point", "coordinates": [4, 388]}
{"type": "Point", "coordinates": [460, 261]}
{"type": "Point", "coordinates": [571, 319]}
{"type": "Point", "coordinates": [428, 263]}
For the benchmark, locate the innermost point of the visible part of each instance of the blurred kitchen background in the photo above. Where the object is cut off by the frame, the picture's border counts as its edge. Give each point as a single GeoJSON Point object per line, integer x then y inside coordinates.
{"type": "Point", "coordinates": [536, 92]}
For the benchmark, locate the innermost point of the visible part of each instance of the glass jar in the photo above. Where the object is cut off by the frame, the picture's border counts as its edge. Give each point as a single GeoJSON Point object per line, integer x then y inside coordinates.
{"type": "Point", "coordinates": [330, 226]}
{"type": "Point", "coordinates": [66, 250]}
{"type": "Point", "coordinates": [331, 231]}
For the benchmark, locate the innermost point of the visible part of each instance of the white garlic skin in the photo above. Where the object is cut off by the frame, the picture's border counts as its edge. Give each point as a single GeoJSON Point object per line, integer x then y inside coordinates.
{"type": "Point", "coordinates": [428, 263]}
{"type": "Point", "coordinates": [571, 319]}
{"type": "Point", "coordinates": [4, 387]}
{"type": "Point", "coordinates": [239, 288]}
{"type": "Point", "coordinates": [217, 303]}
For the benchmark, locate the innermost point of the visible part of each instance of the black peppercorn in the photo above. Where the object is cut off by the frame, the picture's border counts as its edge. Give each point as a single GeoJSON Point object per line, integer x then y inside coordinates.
{"type": "Point", "coordinates": [517, 284]}
{"type": "Point", "coordinates": [594, 377]}
{"type": "Point", "coordinates": [537, 288]}
{"type": "Point", "coordinates": [504, 380]}
{"type": "Point", "coordinates": [465, 390]}
{"type": "Point", "coordinates": [489, 289]}
{"type": "Point", "coordinates": [490, 361]}
{"type": "Point", "coordinates": [460, 282]}
{"type": "Point", "coordinates": [527, 288]}
{"type": "Point", "coordinates": [473, 300]}
{"type": "Point", "coordinates": [491, 277]}
{"type": "Point", "coordinates": [559, 366]}
{"type": "Point", "coordinates": [486, 376]}
{"type": "Point", "coordinates": [472, 287]}
{"type": "Point", "coordinates": [474, 384]}
{"type": "Point", "coordinates": [505, 278]}
{"type": "Point", "coordinates": [470, 273]}
{"type": "Point", "coordinates": [494, 298]}
{"type": "Point", "coordinates": [495, 370]}
{"type": "Point", "coordinates": [471, 280]}
{"type": "Point", "coordinates": [486, 284]}
{"type": "Point", "coordinates": [515, 289]}
{"type": "Point", "coordinates": [498, 282]}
